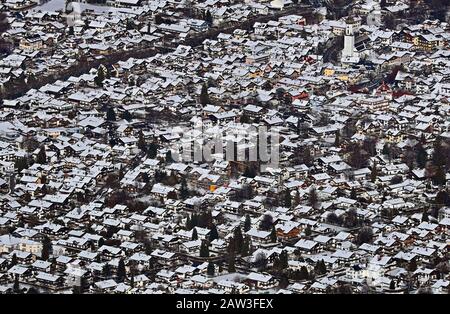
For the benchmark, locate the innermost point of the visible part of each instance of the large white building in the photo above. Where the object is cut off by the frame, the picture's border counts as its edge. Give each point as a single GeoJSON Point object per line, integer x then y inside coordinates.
{"type": "Point", "coordinates": [349, 53]}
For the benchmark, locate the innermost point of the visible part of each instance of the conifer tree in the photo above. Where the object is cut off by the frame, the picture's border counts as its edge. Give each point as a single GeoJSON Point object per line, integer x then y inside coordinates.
{"type": "Point", "coordinates": [421, 156]}
{"type": "Point", "coordinates": [213, 234]}
{"type": "Point", "coordinates": [142, 144]}
{"type": "Point", "coordinates": [273, 235]}
{"type": "Point", "coordinates": [110, 114]}
{"type": "Point", "coordinates": [247, 223]}
{"type": "Point", "coordinates": [238, 239]}
{"type": "Point", "coordinates": [204, 96]}
{"type": "Point", "coordinates": [184, 191]}
{"type": "Point", "coordinates": [211, 269]}
{"type": "Point", "coordinates": [245, 250]}
{"type": "Point", "coordinates": [194, 234]}
{"type": "Point", "coordinates": [204, 249]}
{"type": "Point", "coordinates": [121, 271]}
{"type": "Point", "coordinates": [16, 285]}
{"type": "Point", "coordinates": [41, 157]}
{"type": "Point", "coordinates": [208, 18]}
{"type": "Point", "coordinates": [46, 248]}
{"type": "Point", "coordinates": [287, 199]}
{"type": "Point", "coordinates": [374, 172]}
{"type": "Point", "coordinates": [231, 256]}
{"type": "Point", "coordinates": [152, 150]}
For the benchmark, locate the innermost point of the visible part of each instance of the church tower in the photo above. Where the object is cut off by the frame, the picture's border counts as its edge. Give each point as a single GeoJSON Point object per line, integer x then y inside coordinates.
{"type": "Point", "coordinates": [349, 42]}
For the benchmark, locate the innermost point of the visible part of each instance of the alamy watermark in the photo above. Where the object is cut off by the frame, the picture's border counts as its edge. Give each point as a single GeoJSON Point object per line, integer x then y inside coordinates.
{"type": "Point", "coordinates": [236, 142]}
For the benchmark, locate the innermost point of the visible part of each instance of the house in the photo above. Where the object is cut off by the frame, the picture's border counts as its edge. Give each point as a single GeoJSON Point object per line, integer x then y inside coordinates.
{"type": "Point", "coordinates": [261, 281]}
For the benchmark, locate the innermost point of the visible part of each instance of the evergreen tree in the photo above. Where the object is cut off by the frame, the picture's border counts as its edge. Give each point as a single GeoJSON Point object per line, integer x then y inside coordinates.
{"type": "Point", "coordinates": [13, 260]}
{"type": "Point", "coordinates": [247, 191]}
{"type": "Point", "coordinates": [231, 256]}
{"type": "Point", "coordinates": [238, 238]}
{"type": "Point", "coordinates": [356, 159]}
{"type": "Point", "coordinates": [41, 157]}
{"type": "Point", "coordinates": [284, 261]}
{"type": "Point", "coordinates": [392, 285]}
{"type": "Point", "coordinates": [365, 235]}
{"type": "Point", "coordinates": [374, 172]}
{"type": "Point", "coordinates": [204, 96]}
{"type": "Point", "coordinates": [287, 199]}
{"type": "Point", "coordinates": [169, 158]}
{"type": "Point", "coordinates": [141, 144]}
{"type": "Point", "coordinates": [442, 199]}
{"type": "Point", "coordinates": [247, 223]}
{"type": "Point", "coordinates": [337, 139]}
{"type": "Point", "coordinates": [304, 273]}
{"type": "Point", "coordinates": [100, 76]}
{"type": "Point", "coordinates": [353, 194]}
{"type": "Point", "coordinates": [284, 281]}
{"type": "Point", "coordinates": [121, 271]}
{"type": "Point", "coordinates": [208, 18]}
{"type": "Point", "coordinates": [188, 223]}
{"type": "Point", "coordinates": [306, 156]}
{"type": "Point", "coordinates": [266, 222]}
{"type": "Point", "coordinates": [130, 24]}
{"type": "Point", "coordinates": [439, 177]}
{"type": "Point", "coordinates": [313, 198]}
{"type": "Point", "coordinates": [121, 174]}
{"type": "Point", "coordinates": [204, 249]}
{"type": "Point", "coordinates": [16, 285]}
{"type": "Point", "coordinates": [106, 271]}
{"type": "Point", "coordinates": [205, 219]}
{"type": "Point", "coordinates": [145, 177]}
{"type": "Point", "coordinates": [273, 235]}
{"type": "Point", "coordinates": [245, 250]}
{"type": "Point", "coordinates": [244, 118]}
{"type": "Point", "coordinates": [32, 290]}
{"type": "Point", "coordinates": [194, 235]}
{"type": "Point", "coordinates": [152, 150]}
{"type": "Point", "coordinates": [421, 156]}
{"type": "Point", "coordinates": [110, 114]}
{"type": "Point", "coordinates": [297, 199]}
{"type": "Point", "coordinates": [211, 269]}
{"type": "Point", "coordinates": [46, 248]}
{"type": "Point", "coordinates": [425, 216]}
{"type": "Point", "coordinates": [158, 19]}
{"type": "Point", "coordinates": [213, 234]}
{"type": "Point", "coordinates": [194, 220]}
{"type": "Point", "coordinates": [249, 172]}
{"type": "Point", "coordinates": [184, 191]}
{"type": "Point", "coordinates": [127, 116]}
{"type": "Point", "coordinates": [21, 163]}
{"type": "Point", "coordinates": [12, 183]}
{"type": "Point", "coordinates": [320, 267]}
{"type": "Point", "coordinates": [308, 231]}
{"type": "Point", "coordinates": [412, 266]}
{"type": "Point", "coordinates": [438, 157]}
